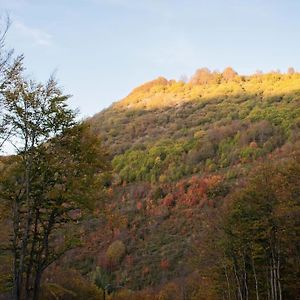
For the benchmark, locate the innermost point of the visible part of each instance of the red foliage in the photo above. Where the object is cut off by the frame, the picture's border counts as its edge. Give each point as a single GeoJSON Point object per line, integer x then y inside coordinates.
{"type": "Point", "coordinates": [146, 271]}
{"type": "Point", "coordinates": [191, 192]}
{"type": "Point", "coordinates": [129, 260]}
{"type": "Point", "coordinates": [168, 200]}
{"type": "Point", "coordinates": [110, 192]}
{"type": "Point", "coordinates": [139, 205]}
{"type": "Point", "coordinates": [164, 264]}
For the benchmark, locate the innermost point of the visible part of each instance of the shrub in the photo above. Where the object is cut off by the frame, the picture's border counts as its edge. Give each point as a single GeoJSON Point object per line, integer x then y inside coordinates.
{"type": "Point", "coordinates": [116, 251]}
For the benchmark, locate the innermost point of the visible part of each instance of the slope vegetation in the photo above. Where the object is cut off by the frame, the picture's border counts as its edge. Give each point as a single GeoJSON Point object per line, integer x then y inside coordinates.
{"type": "Point", "coordinates": [180, 152]}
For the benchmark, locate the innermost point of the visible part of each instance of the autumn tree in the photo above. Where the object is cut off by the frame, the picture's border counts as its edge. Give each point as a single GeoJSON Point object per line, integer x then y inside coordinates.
{"type": "Point", "coordinates": [291, 70]}
{"type": "Point", "coordinates": [202, 76]}
{"type": "Point", "coordinates": [260, 247]}
{"type": "Point", "coordinates": [58, 162]}
{"type": "Point", "coordinates": [10, 68]}
{"type": "Point", "coordinates": [229, 74]}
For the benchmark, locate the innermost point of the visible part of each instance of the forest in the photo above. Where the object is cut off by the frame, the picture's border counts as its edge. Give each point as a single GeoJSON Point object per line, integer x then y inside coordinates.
{"type": "Point", "coordinates": [183, 190]}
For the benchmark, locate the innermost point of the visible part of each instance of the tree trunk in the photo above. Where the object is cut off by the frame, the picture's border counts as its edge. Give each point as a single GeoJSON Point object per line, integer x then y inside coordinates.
{"type": "Point", "coordinates": [32, 255]}
{"type": "Point", "coordinates": [238, 283]}
{"type": "Point", "coordinates": [272, 283]}
{"type": "Point", "coordinates": [268, 284]}
{"type": "Point", "coordinates": [245, 278]}
{"type": "Point", "coordinates": [37, 283]}
{"type": "Point", "coordinates": [228, 284]}
{"type": "Point", "coordinates": [274, 276]}
{"type": "Point", "coordinates": [255, 278]}
{"type": "Point", "coordinates": [16, 283]}
{"type": "Point", "coordinates": [278, 275]}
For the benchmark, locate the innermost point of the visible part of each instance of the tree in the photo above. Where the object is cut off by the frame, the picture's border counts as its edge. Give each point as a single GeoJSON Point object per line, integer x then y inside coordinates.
{"type": "Point", "coordinates": [103, 280]}
{"type": "Point", "coordinates": [49, 181]}
{"type": "Point", "coordinates": [229, 74]}
{"type": "Point", "coordinates": [115, 252]}
{"type": "Point", "coordinates": [9, 69]}
{"type": "Point", "coordinates": [202, 76]}
{"type": "Point", "coordinates": [260, 243]}
{"type": "Point", "coordinates": [5, 56]}
{"type": "Point", "coordinates": [291, 70]}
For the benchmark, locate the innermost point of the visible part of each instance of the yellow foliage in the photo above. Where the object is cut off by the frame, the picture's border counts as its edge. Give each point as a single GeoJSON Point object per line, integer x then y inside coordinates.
{"type": "Point", "coordinates": [116, 251]}
{"type": "Point", "coordinates": [163, 93]}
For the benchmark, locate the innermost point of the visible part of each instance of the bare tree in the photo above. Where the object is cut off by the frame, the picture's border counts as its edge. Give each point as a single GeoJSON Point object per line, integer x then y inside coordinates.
{"type": "Point", "coordinates": [291, 70]}
{"type": "Point", "coordinates": [10, 69]}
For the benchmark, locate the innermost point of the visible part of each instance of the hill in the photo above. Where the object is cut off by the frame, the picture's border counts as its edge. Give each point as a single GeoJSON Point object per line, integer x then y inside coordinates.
{"type": "Point", "coordinates": [180, 151]}
{"type": "Point", "coordinates": [203, 202]}
{"type": "Point", "coordinates": [199, 127]}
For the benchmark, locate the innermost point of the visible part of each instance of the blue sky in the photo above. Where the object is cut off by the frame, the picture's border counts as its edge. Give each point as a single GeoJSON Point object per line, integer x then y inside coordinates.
{"type": "Point", "coordinates": [102, 49]}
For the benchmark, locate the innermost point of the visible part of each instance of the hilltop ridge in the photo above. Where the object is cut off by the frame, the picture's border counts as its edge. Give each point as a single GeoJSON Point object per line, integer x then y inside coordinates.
{"type": "Point", "coordinates": [204, 84]}
{"type": "Point", "coordinates": [162, 109]}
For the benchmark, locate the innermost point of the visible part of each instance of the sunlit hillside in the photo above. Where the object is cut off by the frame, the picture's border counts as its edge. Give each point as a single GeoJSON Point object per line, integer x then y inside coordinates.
{"type": "Point", "coordinates": [163, 93]}
{"type": "Point", "coordinates": [165, 130]}
{"type": "Point", "coordinates": [180, 152]}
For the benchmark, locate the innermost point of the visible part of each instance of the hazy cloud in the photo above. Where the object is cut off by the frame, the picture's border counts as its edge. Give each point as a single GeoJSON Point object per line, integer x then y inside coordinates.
{"type": "Point", "coordinates": [35, 35]}
{"type": "Point", "coordinates": [7, 5]}
{"type": "Point", "coordinates": [158, 6]}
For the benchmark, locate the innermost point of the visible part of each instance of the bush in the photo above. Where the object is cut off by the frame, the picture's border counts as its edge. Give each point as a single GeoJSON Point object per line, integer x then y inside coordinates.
{"type": "Point", "coordinates": [116, 252]}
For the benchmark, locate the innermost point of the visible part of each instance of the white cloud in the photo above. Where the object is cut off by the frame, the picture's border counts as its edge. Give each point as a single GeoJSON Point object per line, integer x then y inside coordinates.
{"type": "Point", "coordinates": [35, 35]}
{"type": "Point", "coordinates": [12, 4]}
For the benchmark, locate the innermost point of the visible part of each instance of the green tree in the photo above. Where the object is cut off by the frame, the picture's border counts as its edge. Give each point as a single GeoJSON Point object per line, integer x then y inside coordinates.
{"type": "Point", "coordinates": [103, 280]}
{"type": "Point", "coordinates": [10, 68]}
{"type": "Point", "coordinates": [260, 243]}
{"type": "Point", "coordinates": [53, 177]}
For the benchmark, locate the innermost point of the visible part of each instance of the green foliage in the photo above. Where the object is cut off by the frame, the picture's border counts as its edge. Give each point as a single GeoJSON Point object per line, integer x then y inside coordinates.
{"type": "Point", "coordinates": [169, 292]}
{"type": "Point", "coordinates": [168, 130]}
{"type": "Point", "coordinates": [149, 165]}
{"type": "Point", "coordinates": [69, 285]}
{"type": "Point", "coordinates": [116, 251]}
{"type": "Point", "coordinates": [45, 184]}
{"type": "Point", "coordinates": [260, 233]}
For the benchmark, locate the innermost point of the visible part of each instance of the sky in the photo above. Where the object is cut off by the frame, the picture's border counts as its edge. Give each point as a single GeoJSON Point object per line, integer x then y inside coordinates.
{"type": "Point", "coordinates": [101, 49]}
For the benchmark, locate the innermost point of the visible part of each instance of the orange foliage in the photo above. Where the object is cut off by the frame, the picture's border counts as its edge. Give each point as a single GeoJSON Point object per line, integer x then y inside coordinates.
{"type": "Point", "coordinates": [164, 264]}
{"type": "Point", "coordinates": [139, 205]}
{"type": "Point", "coordinates": [168, 200]}
{"type": "Point", "coordinates": [253, 145]}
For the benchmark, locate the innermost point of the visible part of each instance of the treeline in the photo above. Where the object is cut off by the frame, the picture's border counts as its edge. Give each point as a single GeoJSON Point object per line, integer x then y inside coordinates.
{"type": "Point", "coordinates": [205, 76]}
